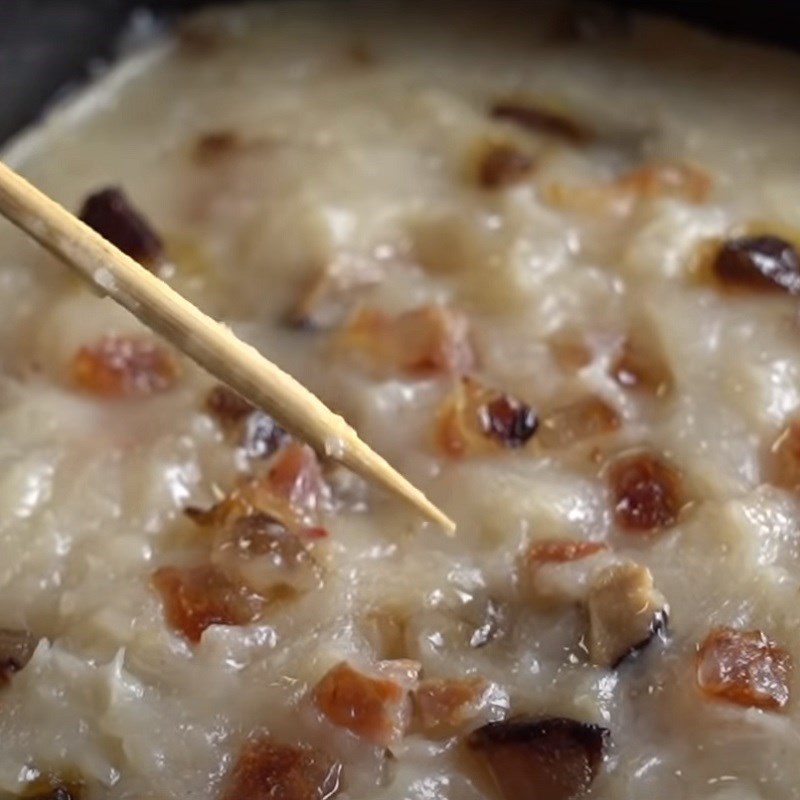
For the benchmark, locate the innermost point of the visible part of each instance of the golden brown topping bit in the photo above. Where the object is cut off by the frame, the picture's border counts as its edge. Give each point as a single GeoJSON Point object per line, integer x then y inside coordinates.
{"type": "Point", "coordinates": [291, 492]}
{"type": "Point", "coordinates": [668, 179]}
{"type": "Point", "coordinates": [559, 551]}
{"type": "Point", "coordinates": [124, 366]}
{"type": "Point", "coordinates": [625, 613]}
{"type": "Point", "coordinates": [448, 703]}
{"type": "Point", "coordinates": [386, 631]}
{"type": "Point", "coordinates": [619, 196]}
{"type": "Point", "coordinates": [374, 707]}
{"type": "Point", "coordinates": [256, 432]}
{"type": "Point", "coordinates": [502, 164]}
{"type": "Point", "coordinates": [647, 492]}
{"type": "Point", "coordinates": [570, 350]}
{"type": "Point", "coordinates": [210, 147]}
{"type": "Point", "coordinates": [257, 552]}
{"type": "Point", "coordinates": [476, 420]}
{"type": "Point", "coordinates": [542, 120]}
{"type": "Point", "coordinates": [430, 339]}
{"type": "Point", "coordinates": [641, 365]}
{"type": "Point", "coordinates": [197, 597]}
{"type": "Point", "coordinates": [111, 214]}
{"type": "Point", "coordinates": [16, 649]}
{"type": "Point", "coordinates": [767, 263]}
{"type": "Point", "coordinates": [783, 466]}
{"type": "Point", "coordinates": [744, 667]}
{"type": "Point", "coordinates": [269, 770]}
{"type": "Point", "coordinates": [546, 759]}
{"type": "Point", "coordinates": [326, 298]}
{"type": "Point", "coordinates": [577, 421]}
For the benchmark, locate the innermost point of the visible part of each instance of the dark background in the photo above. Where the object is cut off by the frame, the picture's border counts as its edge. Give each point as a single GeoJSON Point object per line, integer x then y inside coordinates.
{"type": "Point", "coordinates": [48, 45]}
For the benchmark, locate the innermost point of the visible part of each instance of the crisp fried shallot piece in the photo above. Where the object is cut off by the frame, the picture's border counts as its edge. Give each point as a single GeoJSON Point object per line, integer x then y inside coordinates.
{"type": "Point", "coordinates": [542, 120]}
{"type": "Point", "coordinates": [545, 759]}
{"type": "Point", "coordinates": [269, 770]}
{"type": "Point", "coordinates": [667, 179]}
{"type": "Point", "coordinates": [124, 366]}
{"type": "Point", "coordinates": [429, 339]}
{"type": "Point", "coordinates": [582, 419]}
{"type": "Point", "coordinates": [744, 667]}
{"type": "Point", "coordinates": [291, 492]}
{"type": "Point", "coordinates": [475, 420]}
{"type": "Point", "coordinates": [783, 462]}
{"type": "Point", "coordinates": [502, 164]}
{"type": "Point", "coordinates": [375, 707]}
{"type": "Point", "coordinates": [259, 553]}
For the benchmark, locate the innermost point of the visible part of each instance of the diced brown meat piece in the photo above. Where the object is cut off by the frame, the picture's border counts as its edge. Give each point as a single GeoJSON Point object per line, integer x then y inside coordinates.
{"type": "Point", "coordinates": [257, 552]}
{"type": "Point", "coordinates": [582, 419]}
{"type": "Point", "coordinates": [429, 339]}
{"type": "Point", "coordinates": [641, 365]}
{"type": "Point", "coordinates": [269, 770]}
{"type": "Point", "coordinates": [625, 613]}
{"type": "Point", "coordinates": [449, 703]}
{"type": "Point", "coordinates": [124, 366]}
{"type": "Point", "coordinates": [744, 667]}
{"type": "Point", "coordinates": [374, 707]}
{"type": "Point", "coordinates": [559, 551]}
{"type": "Point", "coordinates": [621, 195]}
{"type": "Point", "coordinates": [647, 492]}
{"type": "Point", "coordinates": [111, 214]}
{"type": "Point", "coordinates": [783, 464]}
{"type": "Point", "coordinates": [543, 120]}
{"type": "Point", "coordinates": [545, 759]}
{"type": "Point", "coordinates": [16, 649]}
{"type": "Point", "coordinates": [256, 432]}
{"type": "Point", "coordinates": [477, 420]}
{"type": "Point", "coordinates": [198, 597]}
{"type": "Point", "coordinates": [502, 164]}
{"type": "Point", "coordinates": [766, 263]}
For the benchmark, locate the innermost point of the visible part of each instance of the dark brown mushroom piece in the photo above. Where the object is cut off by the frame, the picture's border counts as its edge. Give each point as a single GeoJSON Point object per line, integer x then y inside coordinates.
{"type": "Point", "coordinates": [625, 613]}
{"type": "Point", "coordinates": [543, 120]}
{"type": "Point", "coordinates": [56, 793]}
{"type": "Point", "coordinates": [270, 770]}
{"type": "Point", "coordinates": [545, 759]}
{"type": "Point", "coordinates": [251, 429]}
{"type": "Point", "coordinates": [112, 215]}
{"type": "Point", "coordinates": [758, 263]}
{"type": "Point", "coordinates": [502, 165]}
{"type": "Point", "coordinates": [477, 419]}
{"type": "Point", "coordinates": [16, 649]}
{"type": "Point", "coordinates": [647, 492]}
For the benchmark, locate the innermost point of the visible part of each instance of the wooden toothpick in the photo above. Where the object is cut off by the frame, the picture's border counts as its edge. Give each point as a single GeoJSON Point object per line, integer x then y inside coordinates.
{"type": "Point", "coordinates": [203, 339]}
